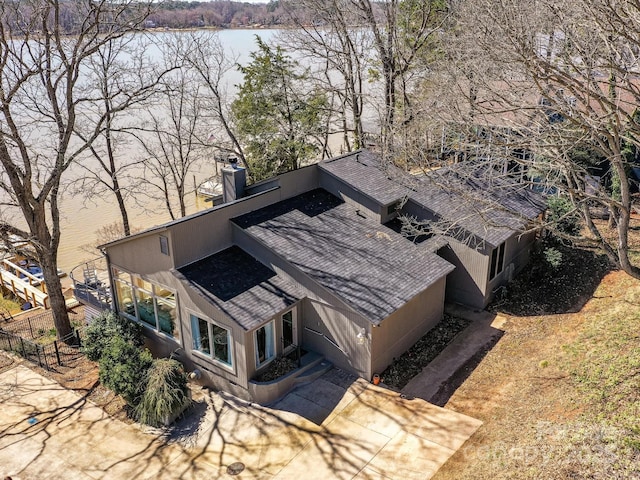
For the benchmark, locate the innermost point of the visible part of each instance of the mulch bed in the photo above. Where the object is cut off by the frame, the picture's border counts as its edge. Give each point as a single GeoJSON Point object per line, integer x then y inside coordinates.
{"type": "Point", "coordinates": [411, 363]}
{"type": "Point", "coordinates": [541, 289]}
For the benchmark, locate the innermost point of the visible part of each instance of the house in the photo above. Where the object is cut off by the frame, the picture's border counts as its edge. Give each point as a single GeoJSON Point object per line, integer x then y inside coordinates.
{"type": "Point", "coordinates": [314, 259]}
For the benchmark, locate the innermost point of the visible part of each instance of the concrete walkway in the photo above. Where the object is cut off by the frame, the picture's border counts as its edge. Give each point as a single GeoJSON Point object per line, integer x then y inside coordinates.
{"type": "Point", "coordinates": [485, 328]}
{"type": "Point", "coordinates": [331, 429]}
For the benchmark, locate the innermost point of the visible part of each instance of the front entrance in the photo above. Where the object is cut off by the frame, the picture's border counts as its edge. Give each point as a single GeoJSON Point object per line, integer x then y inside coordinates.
{"type": "Point", "coordinates": [289, 330]}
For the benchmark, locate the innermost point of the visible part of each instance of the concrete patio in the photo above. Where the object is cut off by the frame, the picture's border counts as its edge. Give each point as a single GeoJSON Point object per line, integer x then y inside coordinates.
{"type": "Point", "coordinates": [331, 428]}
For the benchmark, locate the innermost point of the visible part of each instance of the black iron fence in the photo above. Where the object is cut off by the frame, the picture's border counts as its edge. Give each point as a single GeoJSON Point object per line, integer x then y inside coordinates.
{"type": "Point", "coordinates": [35, 339]}
{"type": "Point", "coordinates": [38, 326]}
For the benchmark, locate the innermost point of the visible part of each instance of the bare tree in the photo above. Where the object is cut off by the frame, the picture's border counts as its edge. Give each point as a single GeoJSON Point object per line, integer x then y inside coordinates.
{"type": "Point", "coordinates": [533, 84]}
{"type": "Point", "coordinates": [209, 62]}
{"type": "Point", "coordinates": [174, 141]}
{"type": "Point", "coordinates": [124, 75]}
{"type": "Point", "coordinates": [399, 32]}
{"type": "Point", "coordinates": [43, 90]}
{"type": "Point", "coordinates": [340, 56]}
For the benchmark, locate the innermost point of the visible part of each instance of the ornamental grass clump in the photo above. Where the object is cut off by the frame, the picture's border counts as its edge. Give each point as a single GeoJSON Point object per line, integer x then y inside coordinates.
{"type": "Point", "coordinates": [156, 390]}
{"type": "Point", "coordinates": [166, 393]}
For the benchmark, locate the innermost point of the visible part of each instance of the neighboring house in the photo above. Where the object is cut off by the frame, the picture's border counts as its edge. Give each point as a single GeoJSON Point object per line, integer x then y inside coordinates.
{"type": "Point", "coordinates": [314, 259]}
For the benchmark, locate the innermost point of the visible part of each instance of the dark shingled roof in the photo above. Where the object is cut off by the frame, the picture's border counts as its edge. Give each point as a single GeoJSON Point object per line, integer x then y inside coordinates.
{"type": "Point", "coordinates": [487, 206]}
{"type": "Point", "coordinates": [239, 285]}
{"type": "Point", "coordinates": [371, 267]}
{"type": "Point", "coordinates": [364, 172]}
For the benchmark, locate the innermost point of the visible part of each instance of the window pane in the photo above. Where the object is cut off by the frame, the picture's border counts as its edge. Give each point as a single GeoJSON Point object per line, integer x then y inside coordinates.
{"type": "Point", "coordinates": [494, 263]}
{"type": "Point", "coordinates": [221, 347]}
{"type": "Point", "coordinates": [146, 312]}
{"type": "Point", "coordinates": [125, 298]}
{"type": "Point", "coordinates": [164, 245]}
{"type": "Point", "coordinates": [140, 283]}
{"type": "Point", "coordinates": [287, 329]}
{"type": "Point", "coordinates": [120, 275]}
{"type": "Point", "coordinates": [265, 350]}
{"type": "Point", "coordinates": [164, 293]}
{"type": "Point", "coordinates": [200, 333]}
{"type": "Point", "coordinates": [167, 321]}
{"type": "Point", "coordinates": [500, 259]}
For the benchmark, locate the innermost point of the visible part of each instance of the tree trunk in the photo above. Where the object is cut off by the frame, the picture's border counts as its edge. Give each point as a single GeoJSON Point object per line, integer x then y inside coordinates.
{"type": "Point", "coordinates": [126, 227]}
{"type": "Point", "coordinates": [56, 297]}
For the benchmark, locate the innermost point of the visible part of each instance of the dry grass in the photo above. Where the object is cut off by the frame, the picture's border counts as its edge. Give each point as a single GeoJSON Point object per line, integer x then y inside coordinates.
{"type": "Point", "coordinates": [559, 395]}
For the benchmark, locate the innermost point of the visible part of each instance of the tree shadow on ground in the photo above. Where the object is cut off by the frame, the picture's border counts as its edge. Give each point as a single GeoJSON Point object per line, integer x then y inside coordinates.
{"type": "Point", "coordinates": [541, 289]}
{"type": "Point", "coordinates": [449, 387]}
{"type": "Point", "coordinates": [188, 426]}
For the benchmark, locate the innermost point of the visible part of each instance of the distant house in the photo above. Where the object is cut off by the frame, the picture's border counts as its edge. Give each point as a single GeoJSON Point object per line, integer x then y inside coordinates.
{"type": "Point", "coordinates": [314, 260]}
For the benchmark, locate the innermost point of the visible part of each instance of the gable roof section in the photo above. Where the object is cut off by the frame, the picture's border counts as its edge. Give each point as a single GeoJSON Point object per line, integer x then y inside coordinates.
{"type": "Point", "coordinates": [488, 207]}
{"type": "Point", "coordinates": [239, 285]}
{"type": "Point", "coordinates": [369, 266]}
{"type": "Point", "coordinates": [363, 171]}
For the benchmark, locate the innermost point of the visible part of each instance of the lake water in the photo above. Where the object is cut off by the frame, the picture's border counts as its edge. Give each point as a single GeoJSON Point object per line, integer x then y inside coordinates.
{"type": "Point", "coordinates": [81, 219]}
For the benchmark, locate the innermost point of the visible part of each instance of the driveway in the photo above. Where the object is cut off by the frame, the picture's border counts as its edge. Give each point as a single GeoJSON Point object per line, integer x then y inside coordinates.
{"type": "Point", "coordinates": [332, 428]}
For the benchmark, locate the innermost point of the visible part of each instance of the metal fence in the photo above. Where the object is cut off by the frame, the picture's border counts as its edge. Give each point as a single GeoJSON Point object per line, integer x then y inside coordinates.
{"type": "Point", "coordinates": [34, 339]}
{"type": "Point", "coordinates": [38, 326]}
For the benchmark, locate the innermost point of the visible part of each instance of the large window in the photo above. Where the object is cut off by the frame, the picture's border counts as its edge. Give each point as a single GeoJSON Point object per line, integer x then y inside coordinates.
{"type": "Point", "coordinates": [124, 292]}
{"type": "Point", "coordinates": [497, 261]}
{"type": "Point", "coordinates": [289, 330]}
{"type": "Point", "coordinates": [212, 340]}
{"type": "Point", "coordinates": [146, 302]}
{"type": "Point", "coordinates": [264, 339]}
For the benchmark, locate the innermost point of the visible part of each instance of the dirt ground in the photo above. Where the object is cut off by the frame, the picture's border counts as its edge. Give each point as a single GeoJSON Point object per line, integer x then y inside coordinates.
{"type": "Point", "coordinates": [553, 401]}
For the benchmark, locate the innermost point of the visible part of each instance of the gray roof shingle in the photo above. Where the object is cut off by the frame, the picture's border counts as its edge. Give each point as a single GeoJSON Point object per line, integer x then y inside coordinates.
{"type": "Point", "coordinates": [490, 207]}
{"type": "Point", "coordinates": [364, 172]}
{"type": "Point", "coordinates": [372, 268]}
{"type": "Point", "coordinates": [239, 285]}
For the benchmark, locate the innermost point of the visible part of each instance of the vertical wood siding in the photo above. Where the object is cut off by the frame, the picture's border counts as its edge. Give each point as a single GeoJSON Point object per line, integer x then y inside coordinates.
{"type": "Point", "coordinates": [397, 333]}
{"type": "Point", "coordinates": [467, 284]}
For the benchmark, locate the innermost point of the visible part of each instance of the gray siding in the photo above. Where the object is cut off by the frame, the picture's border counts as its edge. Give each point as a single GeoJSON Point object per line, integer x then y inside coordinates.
{"type": "Point", "coordinates": [142, 254]}
{"type": "Point", "coordinates": [197, 237]}
{"type": "Point", "coordinates": [412, 209]}
{"type": "Point", "coordinates": [250, 347]}
{"type": "Point", "coordinates": [188, 302]}
{"type": "Point", "coordinates": [516, 257]}
{"type": "Point", "coordinates": [324, 325]}
{"type": "Point", "coordinates": [299, 181]}
{"type": "Point", "coordinates": [406, 326]}
{"type": "Point", "coordinates": [467, 284]}
{"type": "Point", "coordinates": [192, 303]}
{"type": "Point", "coordinates": [322, 312]}
{"type": "Point", "coordinates": [209, 233]}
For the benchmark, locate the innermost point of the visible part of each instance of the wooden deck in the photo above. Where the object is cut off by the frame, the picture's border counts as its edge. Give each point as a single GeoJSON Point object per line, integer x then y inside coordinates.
{"type": "Point", "coordinates": [23, 284]}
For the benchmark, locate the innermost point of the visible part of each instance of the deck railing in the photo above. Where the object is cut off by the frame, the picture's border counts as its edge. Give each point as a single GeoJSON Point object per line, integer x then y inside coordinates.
{"type": "Point", "coordinates": [23, 284]}
{"type": "Point", "coordinates": [91, 283]}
